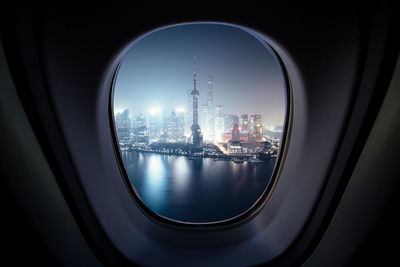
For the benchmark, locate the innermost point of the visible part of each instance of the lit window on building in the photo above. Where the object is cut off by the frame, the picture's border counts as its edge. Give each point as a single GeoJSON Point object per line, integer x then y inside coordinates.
{"type": "Point", "coordinates": [199, 111]}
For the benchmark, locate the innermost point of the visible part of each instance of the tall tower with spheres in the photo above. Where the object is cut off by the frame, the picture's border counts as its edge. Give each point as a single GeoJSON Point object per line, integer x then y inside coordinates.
{"type": "Point", "coordinates": [196, 131]}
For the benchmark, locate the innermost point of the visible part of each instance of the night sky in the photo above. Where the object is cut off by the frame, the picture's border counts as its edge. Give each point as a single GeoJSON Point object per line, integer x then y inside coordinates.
{"type": "Point", "coordinates": [158, 71]}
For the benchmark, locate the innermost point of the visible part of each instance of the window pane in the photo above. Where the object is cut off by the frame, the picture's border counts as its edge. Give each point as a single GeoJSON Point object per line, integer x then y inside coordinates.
{"type": "Point", "coordinates": [199, 111]}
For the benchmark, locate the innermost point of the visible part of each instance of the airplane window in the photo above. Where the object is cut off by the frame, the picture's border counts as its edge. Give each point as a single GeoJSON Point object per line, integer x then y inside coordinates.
{"type": "Point", "coordinates": [199, 112]}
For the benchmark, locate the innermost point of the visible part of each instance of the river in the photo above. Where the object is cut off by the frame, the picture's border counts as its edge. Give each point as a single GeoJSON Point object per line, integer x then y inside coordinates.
{"type": "Point", "coordinates": [199, 190]}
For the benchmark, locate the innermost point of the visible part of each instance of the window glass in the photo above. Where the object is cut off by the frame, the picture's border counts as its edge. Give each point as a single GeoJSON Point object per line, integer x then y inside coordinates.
{"type": "Point", "coordinates": [199, 111]}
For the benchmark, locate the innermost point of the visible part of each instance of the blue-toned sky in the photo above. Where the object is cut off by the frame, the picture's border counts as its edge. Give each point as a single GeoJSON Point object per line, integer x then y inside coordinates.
{"type": "Point", "coordinates": [158, 71]}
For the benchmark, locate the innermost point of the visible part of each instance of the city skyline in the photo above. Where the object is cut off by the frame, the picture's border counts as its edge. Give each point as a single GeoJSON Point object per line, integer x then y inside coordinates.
{"type": "Point", "coordinates": [253, 77]}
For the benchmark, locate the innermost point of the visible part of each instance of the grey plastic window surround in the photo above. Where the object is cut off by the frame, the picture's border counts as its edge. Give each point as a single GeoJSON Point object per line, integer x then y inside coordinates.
{"type": "Point", "coordinates": [278, 223]}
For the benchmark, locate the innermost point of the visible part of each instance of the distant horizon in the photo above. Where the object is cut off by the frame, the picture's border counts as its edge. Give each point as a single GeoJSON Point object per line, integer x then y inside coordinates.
{"type": "Point", "coordinates": [158, 72]}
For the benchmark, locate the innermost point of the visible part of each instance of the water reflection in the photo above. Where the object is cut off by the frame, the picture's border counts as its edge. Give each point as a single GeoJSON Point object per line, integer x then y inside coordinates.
{"type": "Point", "coordinates": [180, 174]}
{"type": "Point", "coordinates": [200, 190]}
{"type": "Point", "coordinates": [156, 180]}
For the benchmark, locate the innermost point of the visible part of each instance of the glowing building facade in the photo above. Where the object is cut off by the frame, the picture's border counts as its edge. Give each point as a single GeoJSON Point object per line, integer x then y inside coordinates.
{"type": "Point", "coordinates": [219, 123]}
{"type": "Point", "coordinates": [140, 130]}
{"type": "Point", "coordinates": [210, 120]}
{"type": "Point", "coordinates": [244, 123]}
{"type": "Point", "coordinates": [123, 126]}
{"type": "Point", "coordinates": [174, 127]}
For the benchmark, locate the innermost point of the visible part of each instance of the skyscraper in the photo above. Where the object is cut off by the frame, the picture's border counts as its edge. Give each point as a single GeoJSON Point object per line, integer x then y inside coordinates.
{"type": "Point", "coordinates": [210, 109]}
{"type": "Point", "coordinates": [235, 132]}
{"type": "Point", "coordinates": [219, 122]}
{"type": "Point", "coordinates": [203, 120]}
{"type": "Point", "coordinates": [259, 132]}
{"type": "Point", "coordinates": [164, 124]}
{"type": "Point", "coordinates": [256, 128]}
{"type": "Point", "coordinates": [174, 127]}
{"type": "Point", "coordinates": [188, 113]}
{"type": "Point", "coordinates": [155, 127]}
{"type": "Point", "coordinates": [180, 116]}
{"type": "Point", "coordinates": [229, 122]}
{"type": "Point", "coordinates": [244, 123]}
{"type": "Point", "coordinates": [123, 125]}
{"type": "Point", "coordinates": [140, 130]}
{"type": "Point", "coordinates": [254, 120]}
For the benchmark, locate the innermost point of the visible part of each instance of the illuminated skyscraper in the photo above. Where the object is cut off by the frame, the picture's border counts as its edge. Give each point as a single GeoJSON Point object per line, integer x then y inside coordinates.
{"type": "Point", "coordinates": [235, 132]}
{"type": "Point", "coordinates": [219, 122]}
{"type": "Point", "coordinates": [230, 120]}
{"type": "Point", "coordinates": [196, 131]}
{"type": "Point", "coordinates": [255, 120]}
{"type": "Point", "coordinates": [174, 127]}
{"type": "Point", "coordinates": [188, 113]}
{"type": "Point", "coordinates": [155, 127]}
{"type": "Point", "coordinates": [164, 124]}
{"type": "Point", "coordinates": [203, 120]}
{"type": "Point", "coordinates": [210, 109]}
{"type": "Point", "coordinates": [181, 125]}
{"type": "Point", "coordinates": [259, 132]}
{"type": "Point", "coordinates": [140, 130]}
{"type": "Point", "coordinates": [123, 125]}
{"type": "Point", "coordinates": [256, 128]}
{"type": "Point", "coordinates": [244, 123]}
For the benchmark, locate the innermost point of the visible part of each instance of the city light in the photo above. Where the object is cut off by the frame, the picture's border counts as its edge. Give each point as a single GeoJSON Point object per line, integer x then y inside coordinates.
{"type": "Point", "coordinates": [234, 137]}
{"type": "Point", "coordinates": [118, 111]}
{"type": "Point", "coordinates": [155, 110]}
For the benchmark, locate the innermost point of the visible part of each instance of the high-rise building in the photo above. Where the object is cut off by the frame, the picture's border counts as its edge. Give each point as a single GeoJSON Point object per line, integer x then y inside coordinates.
{"type": "Point", "coordinates": [219, 123]}
{"type": "Point", "coordinates": [210, 109]}
{"type": "Point", "coordinates": [251, 136]}
{"type": "Point", "coordinates": [180, 116]}
{"type": "Point", "coordinates": [203, 120]}
{"type": "Point", "coordinates": [155, 127]}
{"type": "Point", "coordinates": [230, 120]}
{"type": "Point", "coordinates": [140, 130]}
{"type": "Point", "coordinates": [123, 125]}
{"type": "Point", "coordinates": [188, 113]}
{"type": "Point", "coordinates": [254, 120]}
{"type": "Point", "coordinates": [174, 127]}
{"type": "Point", "coordinates": [256, 128]}
{"type": "Point", "coordinates": [244, 123]}
{"type": "Point", "coordinates": [164, 124]}
{"type": "Point", "coordinates": [259, 132]}
{"type": "Point", "coordinates": [235, 132]}
{"type": "Point", "coordinates": [122, 120]}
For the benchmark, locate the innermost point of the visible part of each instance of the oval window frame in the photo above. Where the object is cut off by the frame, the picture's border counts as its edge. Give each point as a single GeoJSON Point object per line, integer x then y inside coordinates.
{"type": "Point", "coordinates": [258, 205]}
